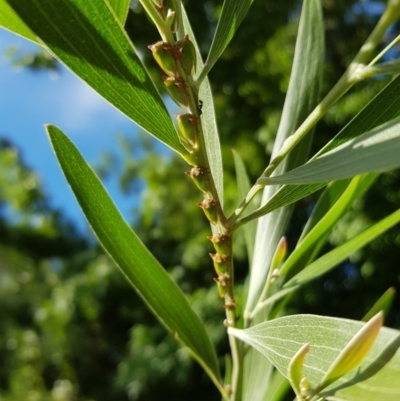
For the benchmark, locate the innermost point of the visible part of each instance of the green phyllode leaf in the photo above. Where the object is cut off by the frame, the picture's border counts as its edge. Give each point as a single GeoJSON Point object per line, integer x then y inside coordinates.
{"type": "Point", "coordinates": [232, 14]}
{"type": "Point", "coordinates": [376, 378]}
{"type": "Point", "coordinates": [121, 8]}
{"type": "Point", "coordinates": [382, 304]}
{"type": "Point", "coordinates": [278, 387]}
{"type": "Point", "coordinates": [257, 373]}
{"type": "Point", "coordinates": [375, 151]}
{"type": "Point", "coordinates": [208, 118]}
{"type": "Point", "coordinates": [139, 266]}
{"type": "Point", "coordinates": [86, 36]}
{"type": "Point", "coordinates": [243, 187]}
{"type": "Point", "coordinates": [329, 197]}
{"type": "Point", "coordinates": [309, 246]}
{"type": "Point", "coordinates": [342, 252]}
{"type": "Point", "coordinates": [382, 108]}
{"type": "Point", "coordinates": [331, 259]}
{"type": "Point", "coordinates": [11, 21]}
{"type": "Point", "coordinates": [302, 97]}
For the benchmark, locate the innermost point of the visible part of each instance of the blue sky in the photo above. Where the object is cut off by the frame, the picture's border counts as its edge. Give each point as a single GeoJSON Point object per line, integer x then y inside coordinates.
{"type": "Point", "coordinates": [28, 100]}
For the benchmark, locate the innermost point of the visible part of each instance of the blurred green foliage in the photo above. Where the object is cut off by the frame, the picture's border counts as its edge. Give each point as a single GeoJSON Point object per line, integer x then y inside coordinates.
{"type": "Point", "coordinates": [70, 326]}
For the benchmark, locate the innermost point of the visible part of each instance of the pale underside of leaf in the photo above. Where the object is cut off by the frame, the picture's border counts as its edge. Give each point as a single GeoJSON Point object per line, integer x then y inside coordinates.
{"type": "Point", "coordinates": [376, 379]}
{"type": "Point", "coordinates": [375, 151]}
{"type": "Point", "coordinates": [384, 107]}
{"type": "Point", "coordinates": [302, 97]}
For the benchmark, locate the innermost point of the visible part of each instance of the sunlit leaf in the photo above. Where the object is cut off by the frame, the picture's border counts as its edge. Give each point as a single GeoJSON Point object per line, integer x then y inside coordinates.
{"type": "Point", "coordinates": [208, 119]}
{"type": "Point", "coordinates": [375, 379]}
{"type": "Point", "coordinates": [342, 252]}
{"type": "Point", "coordinates": [302, 97]}
{"type": "Point", "coordinates": [384, 107]}
{"type": "Point", "coordinates": [243, 187]}
{"type": "Point", "coordinates": [278, 387]}
{"type": "Point", "coordinates": [87, 38]}
{"type": "Point", "coordinates": [374, 151]}
{"type": "Point", "coordinates": [326, 201]}
{"type": "Point", "coordinates": [382, 304]}
{"type": "Point", "coordinates": [12, 22]}
{"type": "Point", "coordinates": [308, 247]}
{"type": "Point", "coordinates": [232, 14]}
{"type": "Point", "coordinates": [121, 8]}
{"type": "Point", "coordinates": [138, 265]}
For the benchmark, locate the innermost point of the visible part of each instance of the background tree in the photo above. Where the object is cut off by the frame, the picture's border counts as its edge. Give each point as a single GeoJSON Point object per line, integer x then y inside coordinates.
{"type": "Point", "coordinates": [72, 327]}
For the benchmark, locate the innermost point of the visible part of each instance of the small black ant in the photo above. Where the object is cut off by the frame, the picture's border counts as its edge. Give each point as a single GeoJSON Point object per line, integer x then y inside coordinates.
{"type": "Point", "coordinates": [200, 107]}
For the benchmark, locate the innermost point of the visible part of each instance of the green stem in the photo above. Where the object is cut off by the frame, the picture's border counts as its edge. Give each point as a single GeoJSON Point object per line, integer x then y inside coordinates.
{"type": "Point", "coordinates": [237, 369]}
{"type": "Point", "coordinates": [391, 67]}
{"type": "Point", "coordinates": [390, 46]}
{"type": "Point", "coordinates": [192, 89]}
{"type": "Point", "coordinates": [163, 29]}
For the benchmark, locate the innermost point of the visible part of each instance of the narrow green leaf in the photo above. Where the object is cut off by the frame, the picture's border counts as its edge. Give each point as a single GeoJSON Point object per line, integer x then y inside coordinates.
{"type": "Point", "coordinates": [325, 202]}
{"type": "Point", "coordinates": [11, 21]}
{"type": "Point", "coordinates": [208, 119]}
{"type": "Point", "coordinates": [382, 304]}
{"type": "Point", "coordinates": [139, 266]}
{"type": "Point", "coordinates": [257, 372]}
{"type": "Point", "coordinates": [375, 379]}
{"type": "Point", "coordinates": [375, 151]}
{"type": "Point", "coordinates": [86, 37]}
{"type": "Point", "coordinates": [243, 187]}
{"type": "Point", "coordinates": [342, 252]}
{"type": "Point", "coordinates": [232, 14]}
{"type": "Point", "coordinates": [278, 388]}
{"type": "Point", "coordinates": [302, 97]}
{"type": "Point", "coordinates": [121, 8]}
{"type": "Point", "coordinates": [383, 107]}
{"type": "Point", "coordinates": [317, 236]}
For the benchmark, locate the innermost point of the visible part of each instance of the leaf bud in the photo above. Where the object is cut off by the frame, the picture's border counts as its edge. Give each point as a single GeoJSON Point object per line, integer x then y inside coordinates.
{"type": "Point", "coordinates": [199, 177]}
{"type": "Point", "coordinates": [220, 263]}
{"type": "Point", "coordinates": [170, 9]}
{"type": "Point", "coordinates": [177, 90]}
{"type": "Point", "coordinates": [305, 388]}
{"type": "Point", "coordinates": [209, 207]}
{"type": "Point", "coordinates": [280, 253]}
{"type": "Point", "coordinates": [222, 243]}
{"type": "Point", "coordinates": [187, 124]}
{"type": "Point", "coordinates": [222, 282]}
{"type": "Point", "coordinates": [163, 53]}
{"type": "Point", "coordinates": [354, 352]}
{"type": "Point", "coordinates": [187, 55]}
{"type": "Point", "coordinates": [230, 304]}
{"type": "Point", "coordinates": [295, 368]}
